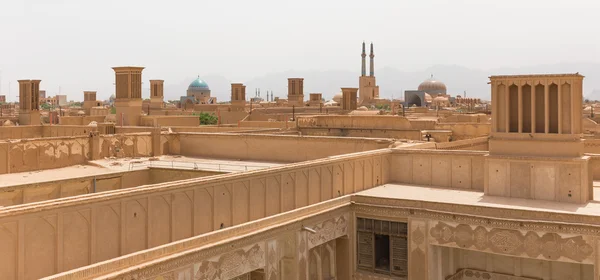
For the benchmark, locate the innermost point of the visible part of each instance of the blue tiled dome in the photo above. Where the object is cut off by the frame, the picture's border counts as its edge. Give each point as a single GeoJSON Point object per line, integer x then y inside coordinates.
{"type": "Point", "coordinates": [198, 84]}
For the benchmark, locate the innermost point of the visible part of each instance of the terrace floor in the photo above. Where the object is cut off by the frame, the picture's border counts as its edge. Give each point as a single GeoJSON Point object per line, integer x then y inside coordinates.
{"type": "Point", "coordinates": [107, 166]}
{"type": "Point", "coordinates": [477, 198]}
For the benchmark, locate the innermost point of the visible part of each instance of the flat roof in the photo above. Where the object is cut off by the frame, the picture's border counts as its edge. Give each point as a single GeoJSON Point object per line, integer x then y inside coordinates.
{"type": "Point", "coordinates": [537, 75]}
{"type": "Point", "coordinates": [114, 165]}
{"type": "Point", "coordinates": [477, 198]}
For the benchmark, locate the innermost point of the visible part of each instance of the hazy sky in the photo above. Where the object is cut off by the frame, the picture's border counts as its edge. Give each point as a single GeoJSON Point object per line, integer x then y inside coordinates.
{"type": "Point", "coordinates": [74, 43]}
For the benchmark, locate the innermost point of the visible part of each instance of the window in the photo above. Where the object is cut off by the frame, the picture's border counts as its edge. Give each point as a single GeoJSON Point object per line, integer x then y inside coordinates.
{"type": "Point", "coordinates": [382, 247]}
{"type": "Point", "coordinates": [382, 252]}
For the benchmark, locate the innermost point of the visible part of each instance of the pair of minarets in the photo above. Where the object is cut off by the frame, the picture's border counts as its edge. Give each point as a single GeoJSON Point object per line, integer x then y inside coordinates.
{"type": "Point", "coordinates": [364, 61]}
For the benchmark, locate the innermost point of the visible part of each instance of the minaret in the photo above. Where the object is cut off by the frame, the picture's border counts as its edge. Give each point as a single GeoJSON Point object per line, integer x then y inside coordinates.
{"type": "Point", "coordinates": [372, 66]}
{"type": "Point", "coordinates": [363, 71]}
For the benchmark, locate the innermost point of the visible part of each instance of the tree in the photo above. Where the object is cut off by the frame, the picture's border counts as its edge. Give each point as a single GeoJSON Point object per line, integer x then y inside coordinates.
{"type": "Point", "coordinates": [207, 118]}
{"type": "Point", "coordinates": [385, 107]}
{"type": "Point", "coordinates": [46, 106]}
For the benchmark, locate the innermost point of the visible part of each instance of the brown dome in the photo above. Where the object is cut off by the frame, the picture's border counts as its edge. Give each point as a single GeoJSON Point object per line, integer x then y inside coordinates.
{"type": "Point", "coordinates": [432, 86]}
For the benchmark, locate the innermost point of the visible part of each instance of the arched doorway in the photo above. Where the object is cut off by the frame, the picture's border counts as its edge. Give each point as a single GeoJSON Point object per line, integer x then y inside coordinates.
{"type": "Point", "coordinates": [414, 99]}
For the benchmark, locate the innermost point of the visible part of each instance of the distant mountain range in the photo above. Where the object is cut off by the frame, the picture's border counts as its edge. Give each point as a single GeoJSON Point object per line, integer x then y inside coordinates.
{"type": "Point", "coordinates": [392, 82]}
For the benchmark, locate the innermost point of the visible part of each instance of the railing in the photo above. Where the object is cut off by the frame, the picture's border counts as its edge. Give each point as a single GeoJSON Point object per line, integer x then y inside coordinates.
{"type": "Point", "coordinates": [473, 274]}
{"type": "Point", "coordinates": [207, 165]}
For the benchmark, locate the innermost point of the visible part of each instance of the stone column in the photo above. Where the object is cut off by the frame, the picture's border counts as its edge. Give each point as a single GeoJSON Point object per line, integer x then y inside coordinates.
{"type": "Point", "coordinates": [343, 258]}
{"type": "Point", "coordinates": [494, 111]}
{"type": "Point", "coordinates": [418, 259]}
{"type": "Point", "coordinates": [597, 261]}
{"type": "Point", "coordinates": [560, 124]}
{"type": "Point", "coordinates": [302, 255]}
{"type": "Point", "coordinates": [507, 108]}
{"type": "Point", "coordinates": [546, 107]}
{"type": "Point", "coordinates": [272, 261]}
{"type": "Point", "coordinates": [156, 146]}
{"type": "Point", "coordinates": [94, 145]}
{"type": "Point", "coordinates": [533, 107]}
{"type": "Point", "coordinates": [576, 108]}
{"type": "Point", "coordinates": [520, 101]}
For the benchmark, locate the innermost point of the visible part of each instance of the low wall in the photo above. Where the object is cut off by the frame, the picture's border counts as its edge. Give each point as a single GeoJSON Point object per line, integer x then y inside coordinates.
{"type": "Point", "coordinates": [211, 107]}
{"type": "Point", "coordinates": [61, 235]}
{"type": "Point", "coordinates": [267, 124]}
{"type": "Point", "coordinates": [594, 165]}
{"type": "Point", "coordinates": [466, 118]}
{"type": "Point", "coordinates": [461, 170]}
{"type": "Point", "coordinates": [355, 122]}
{"type": "Point", "coordinates": [206, 128]}
{"type": "Point", "coordinates": [42, 153]}
{"type": "Point", "coordinates": [20, 132]}
{"type": "Point", "coordinates": [66, 130]}
{"type": "Point", "coordinates": [273, 148]}
{"type": "Point", "coordinates": [80, 120]}
{"type": "Point", "coordinates": [169, 121]}
{"type": "Point", "coordinates": [132, 129]}
{"type": "Point", "coordinates": [39, 131]}
{"type": "Point", "coordinates": [232, 117]}
{"type": "Point", "coordinates": [591, 146]}
{"type": "Point", "coordinates": [475, 144]}
{"type": "Point", "coordinates": [125, 145]}
{"type": "Point", "coordinates": [422, 124]}
{"type": "Point", "coordinates": [55, 152]}
{"type": "Point", "coordinates": [354, 132]}
{"type": "Point", "coordinates": [462, 131]}
{"type": "Point", "coordinates": [42, 191]}
{"type": "Point", "coordinates": [361, 126]}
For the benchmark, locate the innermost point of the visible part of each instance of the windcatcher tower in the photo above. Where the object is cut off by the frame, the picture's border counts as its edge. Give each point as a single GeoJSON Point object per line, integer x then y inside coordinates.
{"type": "Point", "coordinates": [536, 145]}
{"type": "Point", "coordinates": [238, 97]}
{"type": "Point", "coordinates": [349, 99]}
{"type": "Point", "coordinates": [128, 88]}
{"type": "Point", "coordinates": [367, 85]}
{"type": "Point", "coordinates": [156, 94]}
{"type": "Point", "coordinates": [89, 101]}
{"type": "Point", "coordinates": [296, 91]}
{"type": "Point", "coordinates": [29, 102]}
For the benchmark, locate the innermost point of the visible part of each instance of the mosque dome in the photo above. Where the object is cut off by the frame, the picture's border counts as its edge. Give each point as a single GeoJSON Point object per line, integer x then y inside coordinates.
{"type": "Point", "coordinates": [432, 86]}
{"type": "Point", "coordinates": [198, 84]}
{"type": "Point", "coordinates": [337, 98]}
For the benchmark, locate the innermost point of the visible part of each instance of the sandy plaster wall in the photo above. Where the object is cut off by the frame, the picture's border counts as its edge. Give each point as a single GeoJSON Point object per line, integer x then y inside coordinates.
{"type": "Point", "coordinates": [47, 153]}
{"type": "Point", "coordinates": [126, 145]}
{"type": "Point", "coordinates": [267, 124]}
{"type": "Point", "coordinates": [59, 236]}
{"type": "Point", "coordinates": [356, 122]}
{"type": "Point", "coordinates": [55, 152]}
{"type": "Point", "coordinates": [352, 132]}
{"type": "Point", "coordinates": [80, 120]}
{"type": "Point", "coordinates": [169, 121]}
{"type": "Point", "coordinates": [462, 131]}
{"type": "Point", "coordinates": [43, 191]}
{"type": "Point", "coordinates": [446, 169]}
{"type": "Point", "coordinates": [276, 148]}
{"type": "Point", "coordinates": [20, 132]}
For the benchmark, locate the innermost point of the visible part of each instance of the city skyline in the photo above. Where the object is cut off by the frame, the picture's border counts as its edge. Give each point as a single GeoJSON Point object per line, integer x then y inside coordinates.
{"type": "Point", "coordinates": [72, 45]}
